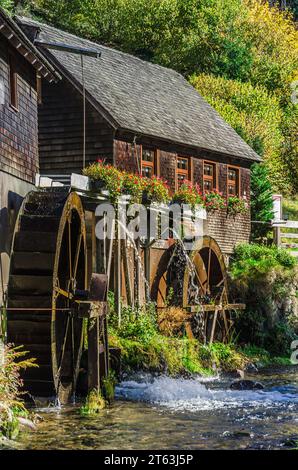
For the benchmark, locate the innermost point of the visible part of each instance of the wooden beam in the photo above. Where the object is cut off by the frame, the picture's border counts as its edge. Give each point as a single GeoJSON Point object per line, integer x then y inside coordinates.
{"type": "Point", "coordinates": [213, 307]}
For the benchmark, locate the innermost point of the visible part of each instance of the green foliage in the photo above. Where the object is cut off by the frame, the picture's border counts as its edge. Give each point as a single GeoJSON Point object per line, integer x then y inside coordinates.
{"type": "Point", "coordinates": [257, 116]}
{"type": "Point", "coordinates": [188, 193]}
{"type": "Point", "coordinates": [222, 37]}
{"type": "Point", "coordinates": [290, 208]}
{"type": "Point", "coordinates": [144, 347]}
{"type": "Point", "coordinates": [7, 5]}
{"type": "Point", "coordinates": [94, 404]}
{"type": "Point", "coordinates": [236, 206]}
{"type": "Point", "coordinates": [109, 383]}
{"type": "Point", "coordinates": [252, 261]}
{"type": "Point", "coordinates": [261, 201]}
{"type": "Point", "coordinates": [264, 278]}
{"type": "Point", "coordinates": [262, 357]}
{"type": "Point", "coordinates": [213, 201]}
{"type": "Point", "coordinates": [121, 182]}
{"type": "Point", "coordinates": [11, 405]}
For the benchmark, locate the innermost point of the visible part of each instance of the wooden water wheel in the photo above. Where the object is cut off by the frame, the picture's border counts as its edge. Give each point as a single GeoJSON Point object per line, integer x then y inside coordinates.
{"type": "Point", "coordinates": [195, 282]}
{"type": "Point", "coordinates": [205, 292]}
{"type": "Point", "coordinates": [48, 273]}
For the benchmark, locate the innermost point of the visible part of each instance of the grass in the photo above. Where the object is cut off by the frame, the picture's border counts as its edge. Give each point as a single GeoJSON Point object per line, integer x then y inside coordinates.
{"type": "Point", "coordinates": [262, 357]}
{"type": "Point", "coordinates": [94, 404]}
{"type": "Point", "coordinates": [290, 211]}
{"type": "Point", "coordinates": [290, 208]}
{"type": "Point", "coordinates": [176, 356]}
{"type": "Point", "coordinates": [144, 347]}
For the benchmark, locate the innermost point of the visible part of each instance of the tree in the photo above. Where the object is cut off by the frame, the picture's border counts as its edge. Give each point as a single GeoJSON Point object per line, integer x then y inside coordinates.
{"type": "Point", "coordinates": [7, 5]}
{"type": "Point", "coordinates": [261, 202]}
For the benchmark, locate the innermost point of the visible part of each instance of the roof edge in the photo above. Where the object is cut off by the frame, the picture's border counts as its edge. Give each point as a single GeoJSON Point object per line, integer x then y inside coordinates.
{"type": "Point", "coordinates": [19, 41]}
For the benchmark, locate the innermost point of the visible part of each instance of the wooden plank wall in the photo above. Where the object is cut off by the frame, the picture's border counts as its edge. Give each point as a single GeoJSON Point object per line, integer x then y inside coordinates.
{"type": "Point", "coordinates": [61, 131]}
{"type": "Point", "coordinates": [18, 128]}
{"type": "Point", "coordinates": [225, 229]}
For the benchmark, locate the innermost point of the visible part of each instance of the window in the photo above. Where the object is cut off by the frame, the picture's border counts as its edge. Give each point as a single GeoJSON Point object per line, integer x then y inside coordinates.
{"type": "Point", "coordinates": [233, 181]}
{"type": "Point", "coordinates": [13, 86]}
{"type": "Point", "coordinates": [183, 170]}
{"type": "Point", "coordinates": [209, 177]}
{"type": "Point", "coordinates": [148, 162]}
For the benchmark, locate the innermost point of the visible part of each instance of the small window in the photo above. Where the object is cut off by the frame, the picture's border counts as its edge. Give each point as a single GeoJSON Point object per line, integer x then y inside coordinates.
{"type": "Point", "coordinates": [183, 170]}
{"type": "Point", "coordinates": [209, 177]}
{"type": "Point", "coordinates": [233, 181]}
{"type": "Point", "coordinates": [148, 162]}
{"type": "Point", "coordinates": [13, 82]}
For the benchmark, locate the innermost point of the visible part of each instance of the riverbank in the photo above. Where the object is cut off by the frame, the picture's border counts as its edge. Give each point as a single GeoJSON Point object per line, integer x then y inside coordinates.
{"type": "Point", "coordinates": [179, 356]}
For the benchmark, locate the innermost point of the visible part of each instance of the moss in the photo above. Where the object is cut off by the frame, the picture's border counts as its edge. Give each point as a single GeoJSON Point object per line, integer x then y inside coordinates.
{"type": "Point", "coordinates": [176, 356]}
{"type": "Point", "coordinates": [94, 404]}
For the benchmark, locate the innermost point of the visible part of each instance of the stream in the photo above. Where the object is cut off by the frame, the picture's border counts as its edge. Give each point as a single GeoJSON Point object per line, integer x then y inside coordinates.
{"type": "Point", "coordinates": [165, 413]}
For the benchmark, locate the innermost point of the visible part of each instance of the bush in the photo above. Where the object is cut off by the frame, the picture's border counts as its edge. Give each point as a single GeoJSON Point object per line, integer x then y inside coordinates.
{"type": "Point", "coordinates": [11, 404]}
{"type": "Point", "coordinates": [266, 280]}
{"type": "Point", "coordinates": [261, 202]}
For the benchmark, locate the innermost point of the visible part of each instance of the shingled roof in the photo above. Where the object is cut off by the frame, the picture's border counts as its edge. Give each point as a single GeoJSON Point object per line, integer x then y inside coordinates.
{"type": "Point", "coordinates": [143, 97]}
{"type": "Point", "coordinates": [16, 37]}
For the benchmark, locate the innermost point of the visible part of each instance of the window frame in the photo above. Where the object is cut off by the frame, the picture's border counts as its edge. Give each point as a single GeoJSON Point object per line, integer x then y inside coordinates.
{"type": "Point", "coordinates": [213, 178]}
{"type": "Point", "coordinates": [236, 183]}
{"type": "Point", "coordinates": [180, 171]}
{"type": "Point", "coordinates": [146, 164]}
{"type": "Point", "coordinates": [13, 82]}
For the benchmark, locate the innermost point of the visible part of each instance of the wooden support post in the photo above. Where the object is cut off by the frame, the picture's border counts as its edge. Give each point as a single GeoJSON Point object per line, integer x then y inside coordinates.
{"type": "Point", "coordinates": [126, 273]}
{"type": "Point", "coordinates": [137, 264]}
{"type": "Point", "coordinates": [93, 355]}
{"type": "Point", "coordinates": [110, 252]}
{"type": "Point", "coordinates": [117, 271]}
{"type": "Point", "coordinates": [213, 326]}
{"type": "Point", "coordinates": [277, 235]}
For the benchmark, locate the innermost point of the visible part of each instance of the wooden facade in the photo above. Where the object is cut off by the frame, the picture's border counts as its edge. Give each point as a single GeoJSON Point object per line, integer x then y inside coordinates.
{"type": "Point", "coordinates": [18, 122]}
{"type": "Point", "coordinates": [61, 131]}
{"type": "Point", "coordinates": [61, 153]}
{"type": "Point", "coordinates": [20, 65]}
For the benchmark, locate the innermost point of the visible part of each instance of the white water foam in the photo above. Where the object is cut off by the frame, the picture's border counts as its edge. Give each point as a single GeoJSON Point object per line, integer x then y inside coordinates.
{"type": "Point", "coordinates": [193, 395]}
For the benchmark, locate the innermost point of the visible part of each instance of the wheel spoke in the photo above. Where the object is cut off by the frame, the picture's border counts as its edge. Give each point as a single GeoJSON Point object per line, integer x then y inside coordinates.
{"type": "Point", "coordinates": [63, 347]}
{"type": "Point", "coordinates": [69, 249]}
{"type": "Point", "coordinates": [77, 256]}
{"type": "Point", "coordinates": [208, 272]}
{"type": "Point", "coordinates": [64, 293]}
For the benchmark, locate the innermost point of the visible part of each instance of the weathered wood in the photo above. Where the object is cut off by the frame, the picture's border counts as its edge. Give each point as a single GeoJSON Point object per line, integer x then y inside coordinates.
{"type": "Point", "coordinates": [214, 320]}
{"type": "Point", "coordinates": [93, 355]}
{"type": "Point", "coordinates": [213, 307]}
{"type": "Point", "coordinates": [288, 235]}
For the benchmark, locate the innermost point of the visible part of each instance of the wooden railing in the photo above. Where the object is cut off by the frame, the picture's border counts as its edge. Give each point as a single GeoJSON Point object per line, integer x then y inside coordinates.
{"type": "Point", "coordinates": [287, 239]}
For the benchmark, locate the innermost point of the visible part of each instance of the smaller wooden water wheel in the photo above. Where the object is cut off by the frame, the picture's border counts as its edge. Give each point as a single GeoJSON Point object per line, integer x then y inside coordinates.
{"type": "Point", "coordinates": [192, 288]}
{"type": "Point", "coordinates": [205, 293]}
{"type": "Point", "coordinates": [48, 275]}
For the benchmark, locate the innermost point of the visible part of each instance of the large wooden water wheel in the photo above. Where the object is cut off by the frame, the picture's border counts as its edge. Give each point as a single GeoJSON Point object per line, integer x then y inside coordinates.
{"type": "Point", "coordinates": [48, 274]}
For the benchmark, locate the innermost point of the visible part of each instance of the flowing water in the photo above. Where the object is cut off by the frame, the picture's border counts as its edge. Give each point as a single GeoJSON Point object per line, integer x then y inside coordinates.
{"type": "Point", "coordinates": [166, 413]}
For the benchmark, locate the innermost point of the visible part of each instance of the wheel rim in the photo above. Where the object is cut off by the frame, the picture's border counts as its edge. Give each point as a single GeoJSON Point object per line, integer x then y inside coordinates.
{"type": "Point", "coordinates": [70, 275]}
